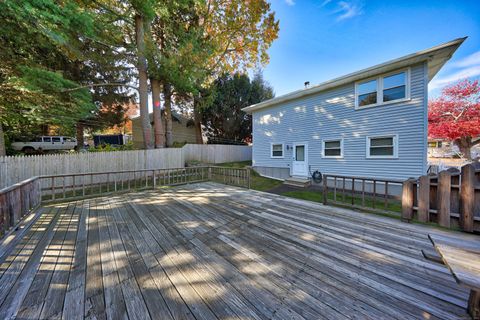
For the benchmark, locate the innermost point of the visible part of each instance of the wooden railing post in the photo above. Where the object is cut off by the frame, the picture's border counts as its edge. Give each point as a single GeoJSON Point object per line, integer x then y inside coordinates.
{"type": "Point", "coordinates": [325, 190]}
{"type": "Point", "coordinates": [423, 212]}
{"type": "Point", "coordinates": [467, 197]}
{"type": "Point", "coordinates": [443, 198]}
{"type": "Point", "coordinates": [407, 200]}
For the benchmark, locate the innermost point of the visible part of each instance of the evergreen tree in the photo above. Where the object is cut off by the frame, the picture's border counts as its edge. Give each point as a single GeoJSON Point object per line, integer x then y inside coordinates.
{"type": "Point", "coordinates": [223, 118]}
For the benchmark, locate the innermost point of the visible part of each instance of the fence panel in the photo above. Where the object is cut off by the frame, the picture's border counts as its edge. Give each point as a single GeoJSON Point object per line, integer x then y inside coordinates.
{"type": "Point", "coordinates": [450, 199]}
{"type": "Point", "coordinates": [217, 153]}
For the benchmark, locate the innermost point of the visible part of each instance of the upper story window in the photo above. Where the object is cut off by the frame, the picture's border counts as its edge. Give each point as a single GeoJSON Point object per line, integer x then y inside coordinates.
{"type": "Point", "coordinates": [332, 148]}
{"type": "Point", "coordinates": [276, 150]}
{"type": "Point", "coordinates": [367, 93]}
{"type": "Point", "coordinates": [382, 147]}
{"type": "Point", "coordinates": [395, 87]}
{"type": "Point", "coordinates": [382, 90]}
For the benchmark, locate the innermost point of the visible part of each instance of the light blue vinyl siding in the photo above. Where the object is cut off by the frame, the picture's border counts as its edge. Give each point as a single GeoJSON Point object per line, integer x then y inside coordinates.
{"type": "Point", "coordinates": [331, 115]}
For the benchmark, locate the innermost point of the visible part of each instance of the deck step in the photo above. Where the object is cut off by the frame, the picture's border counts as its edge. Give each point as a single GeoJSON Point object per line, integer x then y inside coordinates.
{"type": "Point", "coordinates": [301, 182]}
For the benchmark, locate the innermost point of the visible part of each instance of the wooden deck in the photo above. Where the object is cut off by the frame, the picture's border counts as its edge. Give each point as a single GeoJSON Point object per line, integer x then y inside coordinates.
{"type": "Point", "coordinates": [208, 251]}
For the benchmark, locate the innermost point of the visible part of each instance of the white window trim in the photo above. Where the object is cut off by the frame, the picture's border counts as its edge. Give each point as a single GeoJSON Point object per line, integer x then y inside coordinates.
{"type": "Point", "coordinates": [380, 89]}
{"type": "Point", "coordinates": [271, 150]}
{"type": "Point", "coordinates": [395, 146]}
{"type": "Point", "coordinates": [332, 157]}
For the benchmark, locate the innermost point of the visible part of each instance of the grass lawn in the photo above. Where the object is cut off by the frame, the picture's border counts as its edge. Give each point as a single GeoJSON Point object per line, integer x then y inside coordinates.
{"type": "Point", "coordinates": [258, 182]}
{"type": "Point", "coordinates": [393, 205]}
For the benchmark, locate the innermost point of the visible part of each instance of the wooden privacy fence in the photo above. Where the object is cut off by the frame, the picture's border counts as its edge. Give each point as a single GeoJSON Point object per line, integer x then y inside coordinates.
{"type": "Point", "coordinates": [374, 194]}
{"type": "Point", "coordinates": [450, 199]}
{"type": "Point", "coordinates": [20, 168]}
{"type": "Point", "coordinates": [18, 200]}
{"type": "Point", "coordinates": [217, 153]}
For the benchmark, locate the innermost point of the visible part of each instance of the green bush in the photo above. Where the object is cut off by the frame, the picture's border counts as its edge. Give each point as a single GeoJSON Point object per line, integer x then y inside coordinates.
{"type": "Point", "coordinates": [108, 147]}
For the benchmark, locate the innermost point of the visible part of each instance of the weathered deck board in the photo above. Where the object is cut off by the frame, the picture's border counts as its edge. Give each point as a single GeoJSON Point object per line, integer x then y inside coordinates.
{"type": "Point", "coordinates": [207, 251]}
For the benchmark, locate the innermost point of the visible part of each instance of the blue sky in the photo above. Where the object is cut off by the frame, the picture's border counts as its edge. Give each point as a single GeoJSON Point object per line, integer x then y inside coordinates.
{"type": "Point", "coordinates": [320, 40]}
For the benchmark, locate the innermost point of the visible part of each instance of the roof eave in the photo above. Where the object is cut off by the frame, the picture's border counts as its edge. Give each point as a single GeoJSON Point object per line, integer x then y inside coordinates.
{"type": "Point", "coordinates": [437, 57]}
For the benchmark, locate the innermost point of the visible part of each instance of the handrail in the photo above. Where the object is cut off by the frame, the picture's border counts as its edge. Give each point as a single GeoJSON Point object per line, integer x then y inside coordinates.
{"type": "Point", "coordinates": [364, 178]}
{"type": "Point", "coordinates": [113, 172]}
{"type": "Point", "coordinates": [17, 185]}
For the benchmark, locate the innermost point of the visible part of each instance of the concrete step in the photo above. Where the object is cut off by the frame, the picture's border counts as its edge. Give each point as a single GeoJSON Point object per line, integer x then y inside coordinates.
{"type": "Point", "coordinates": [301, 182]}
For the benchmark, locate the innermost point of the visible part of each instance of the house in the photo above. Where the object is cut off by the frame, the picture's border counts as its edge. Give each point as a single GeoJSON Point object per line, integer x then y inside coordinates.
{"type": "Point", "coordinates": [371, 123]}
{"type": "Point", "coordinates": [443, 148]}
{"type": "Point", "coordinates": [183, 129]}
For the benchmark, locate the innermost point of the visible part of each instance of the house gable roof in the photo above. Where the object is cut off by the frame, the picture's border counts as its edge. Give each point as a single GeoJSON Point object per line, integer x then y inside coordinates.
{"type": "Point", "coordinates": [436, 56]}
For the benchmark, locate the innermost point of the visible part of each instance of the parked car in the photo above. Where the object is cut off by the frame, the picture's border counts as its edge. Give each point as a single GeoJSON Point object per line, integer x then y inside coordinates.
{"type": "Point", "coordinates": [46, 143]}
{"type": "Point", "coordinates": [111, 139]}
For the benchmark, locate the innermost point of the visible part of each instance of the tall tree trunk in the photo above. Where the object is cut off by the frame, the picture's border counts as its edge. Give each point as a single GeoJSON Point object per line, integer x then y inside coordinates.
{"type": "Point", "coordinates": [143, 82]}
{"type": "Point", "coordinates": [158, 129]}
{"type": "Point", "coordinates": [79, 134]}
{"type": "Point", "coordinates": [167, 96]}
{"type": "Point", "coordinates": [2, 142]}
{"type": "Point", "coordinates": [197, 119]}
{"type": "Point", "coordinates": [465, 145]}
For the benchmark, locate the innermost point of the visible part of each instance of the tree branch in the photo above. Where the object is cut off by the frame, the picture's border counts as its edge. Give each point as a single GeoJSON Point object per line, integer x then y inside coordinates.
{"type": "Point", "coordinates": [474, 143]}
{"type": "Point", "coordinates": [113, 84]}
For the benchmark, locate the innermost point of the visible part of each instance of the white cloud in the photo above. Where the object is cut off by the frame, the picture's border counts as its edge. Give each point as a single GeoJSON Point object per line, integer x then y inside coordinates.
{"type": "Point", "coordinates": [467, 67]}
{"type": "Point", "coordinates": [469, 72]}
{"type": "Point", "coordinates": [324, 3]}
{"type": "Point", "coordinates": [347, 10]}
{"type": "Point", "coordinates": [473, 59]}
{"type": "Point", "coordinates": [290, 2]}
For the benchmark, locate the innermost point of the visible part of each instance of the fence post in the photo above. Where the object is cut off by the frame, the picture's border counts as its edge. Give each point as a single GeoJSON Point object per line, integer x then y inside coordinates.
{"type": "Point", "coordinates": [325, 190]}
{"type": "Point", "coordinates": [209, 173]}
{"type": "Point", "coordinates": [249, 178]}
{"type": "Point", "coordinates": [467, 197]}
{"type": "Point", "coordinates": [423, 213]}
{"type": "Point", "coordinates": [443, 198]}
{"type": "Point", "coordinates": [407, 200]}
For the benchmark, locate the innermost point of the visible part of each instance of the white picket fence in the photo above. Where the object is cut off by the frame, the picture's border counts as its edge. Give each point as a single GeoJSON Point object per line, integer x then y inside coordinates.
{"type": "Point", "coordinates": [19, 168]}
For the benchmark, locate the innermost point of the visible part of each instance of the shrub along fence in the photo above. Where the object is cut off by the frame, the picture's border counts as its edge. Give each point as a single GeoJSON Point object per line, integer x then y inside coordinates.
{"type": "Point", "coordinates": [20, 168]}
{"type": "Point", "coordinates": [450, 199]}
{"type": "Point", "coordinates": [20, 199]}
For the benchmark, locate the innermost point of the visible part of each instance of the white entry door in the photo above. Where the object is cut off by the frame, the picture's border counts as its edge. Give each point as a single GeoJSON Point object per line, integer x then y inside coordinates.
{"type": "Point", "coordinates": [300, 159]}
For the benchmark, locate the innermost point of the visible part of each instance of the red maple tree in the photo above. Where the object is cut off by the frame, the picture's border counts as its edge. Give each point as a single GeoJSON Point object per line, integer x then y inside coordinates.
{"type": "Point", "coordinates": [455, 115]}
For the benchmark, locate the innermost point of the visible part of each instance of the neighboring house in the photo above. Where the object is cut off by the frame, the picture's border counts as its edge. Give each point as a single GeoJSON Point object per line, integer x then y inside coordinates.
{"type": "Point", "coordinates": [183, 129]}
{"type": "Point", "coordinates": [369, 123]}
{"type": "Point", "coordinates": [442, 148]}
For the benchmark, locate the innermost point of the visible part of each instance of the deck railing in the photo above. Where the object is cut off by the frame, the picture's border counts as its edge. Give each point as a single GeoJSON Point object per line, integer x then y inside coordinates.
{"type": "Point", "coordinates": [18, 200]}
{"type": "Point", "coordinates": [381, 195]}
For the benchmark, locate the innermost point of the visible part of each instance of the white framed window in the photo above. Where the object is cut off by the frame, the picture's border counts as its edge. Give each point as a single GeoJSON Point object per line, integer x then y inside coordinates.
{"type": "Point", "coordinates": [277, 150]}
{"type": "Point", "coordinates": [385, 89]}
{"type": "Point", "coordinates": [382, 146]}
{"type": "Point", "coordinates": [332, 148]}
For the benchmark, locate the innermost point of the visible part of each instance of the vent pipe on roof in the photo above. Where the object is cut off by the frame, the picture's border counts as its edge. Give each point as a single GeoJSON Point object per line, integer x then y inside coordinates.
{"type": "Point", "coordinates": [307, 84]}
